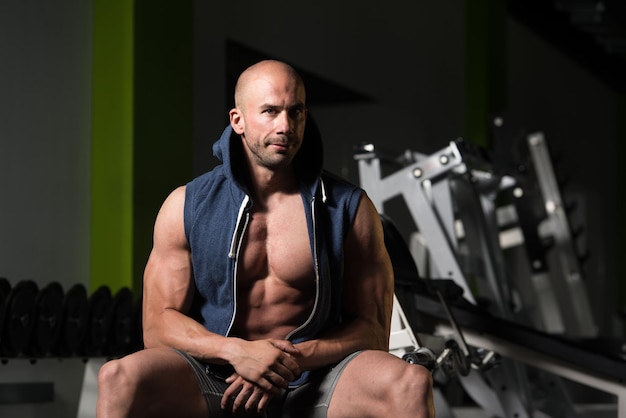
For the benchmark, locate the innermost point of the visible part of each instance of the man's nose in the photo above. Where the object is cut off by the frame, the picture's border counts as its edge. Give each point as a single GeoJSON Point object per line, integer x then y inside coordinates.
{"type": "Point", "coordinates": [284, 123]}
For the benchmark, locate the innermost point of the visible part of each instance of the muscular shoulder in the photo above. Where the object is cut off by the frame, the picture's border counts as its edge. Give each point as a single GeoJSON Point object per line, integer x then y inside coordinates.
{"type": "Point", "coordinates": [367, 223]}
{"type": "Point", "coordinates": [169, 225]}
{"type": "Point", "coordinates": [174, 203]}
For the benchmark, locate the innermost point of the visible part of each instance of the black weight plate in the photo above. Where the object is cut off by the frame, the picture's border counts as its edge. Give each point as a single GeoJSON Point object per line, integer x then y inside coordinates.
{"type": "Point", "coordinates": [48, 321]}
{"type": "Point", "coordinates": [122, 322]}
{"type": "Point", "coordinates": [5, 288]}
{"type": "Point", "coordinates": [136, 336]}
{"type": "Point", "coordinates": [20, 317]}
{"type": "Point", "coordinates": [75, 318]}
{"type": "Point", "coordinates": [100, 316]}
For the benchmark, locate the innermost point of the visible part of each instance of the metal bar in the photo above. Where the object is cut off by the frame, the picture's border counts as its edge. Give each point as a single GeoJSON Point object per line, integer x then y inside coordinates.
{"type": "Point", "coordinates": [543, 361]}
{"type": "Point", "coordinates": [575, 305]}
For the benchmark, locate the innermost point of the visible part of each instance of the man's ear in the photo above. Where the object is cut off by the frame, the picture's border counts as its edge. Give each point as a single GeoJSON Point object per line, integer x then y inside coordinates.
{"type": "Point", "coordinates": [236, 120]}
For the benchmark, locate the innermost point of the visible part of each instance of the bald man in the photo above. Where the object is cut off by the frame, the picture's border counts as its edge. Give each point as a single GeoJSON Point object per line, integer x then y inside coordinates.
{"type": "Point", "coordinates": [268, 290]}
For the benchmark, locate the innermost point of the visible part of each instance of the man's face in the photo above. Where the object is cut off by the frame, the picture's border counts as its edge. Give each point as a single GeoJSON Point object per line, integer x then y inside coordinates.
{"type": "Point", "coordinates": [271, 119]}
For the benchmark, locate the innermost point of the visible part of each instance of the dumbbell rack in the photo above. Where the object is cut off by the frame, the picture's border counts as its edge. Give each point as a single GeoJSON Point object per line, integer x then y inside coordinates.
{"type": "Point", "coordinates": [47, 335]}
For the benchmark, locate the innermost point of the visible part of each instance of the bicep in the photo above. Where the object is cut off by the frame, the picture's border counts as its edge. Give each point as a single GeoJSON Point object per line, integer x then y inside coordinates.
{"type": "Point", "coordinates": [168, 277]}
{"type": "Point", "coordinates": [368, 274]}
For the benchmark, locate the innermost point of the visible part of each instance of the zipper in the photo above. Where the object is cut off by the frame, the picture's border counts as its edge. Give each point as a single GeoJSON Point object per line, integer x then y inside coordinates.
{"type": "Point", "coordinates": [237, 234]}
{"type": "Point", "coordinates": [235, 247]}
{"type": "Point", "coordinates": [317, 274]}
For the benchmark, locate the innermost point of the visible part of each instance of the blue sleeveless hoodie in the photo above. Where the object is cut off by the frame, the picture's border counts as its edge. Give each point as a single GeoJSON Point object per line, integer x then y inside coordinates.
{"type": "Point", "coordinates": [217, 206]}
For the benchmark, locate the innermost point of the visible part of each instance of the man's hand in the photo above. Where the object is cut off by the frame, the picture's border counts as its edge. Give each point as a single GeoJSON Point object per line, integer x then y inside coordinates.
{"type": "Point", "coordinates": [262, 369]}
{"type": "Point", "coordinates": [242, 394]}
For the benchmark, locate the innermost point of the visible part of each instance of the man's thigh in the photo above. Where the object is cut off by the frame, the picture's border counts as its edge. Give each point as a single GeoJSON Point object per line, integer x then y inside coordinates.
{"type": "Point", "coordinates": [310, 400]}
{"type": "Point", "coordinates": [362, 388]}
{"type": "Point", "coordinates": [165, 384]}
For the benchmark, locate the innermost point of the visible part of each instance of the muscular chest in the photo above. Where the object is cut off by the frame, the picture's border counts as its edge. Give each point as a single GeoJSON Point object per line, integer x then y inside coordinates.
{"type": "Point", "coordinates": [276, 245]}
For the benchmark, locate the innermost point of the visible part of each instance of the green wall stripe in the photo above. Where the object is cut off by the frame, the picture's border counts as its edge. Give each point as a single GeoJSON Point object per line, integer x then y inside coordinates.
{"type": "Point", "coordinates": [485, 67]}
{"type": "Point", "coordinates": [163, 113]}
{"type": "Point", "coordinates": [142, 129]}
{"type": "Point", "coordinates": [112, 144]}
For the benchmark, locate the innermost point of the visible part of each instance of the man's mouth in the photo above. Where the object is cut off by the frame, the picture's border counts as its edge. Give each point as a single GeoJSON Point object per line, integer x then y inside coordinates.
{"type": "Point", "coordinates": [280, 145]}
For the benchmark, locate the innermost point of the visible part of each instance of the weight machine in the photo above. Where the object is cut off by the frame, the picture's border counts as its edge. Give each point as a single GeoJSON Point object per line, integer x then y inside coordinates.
{"type": "Point", "coordinates": [471, 217]}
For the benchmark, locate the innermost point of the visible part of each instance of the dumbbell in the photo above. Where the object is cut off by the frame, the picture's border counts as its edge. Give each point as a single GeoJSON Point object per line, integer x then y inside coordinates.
{"type": "Point", "coordinates": [20, 314]}
{"type": "Point", "coordinates": [74, 321]}
{"type": "Point", "coordinates": [136, 339]}
{"type": "Point", "coordinates": [122, 323]}
{"type": "Point", "coordinates": [5, 288]}
{"type": "Point", "coordinates": [48, 320]}
{"type": "Point", "coordinates": [99, 322]}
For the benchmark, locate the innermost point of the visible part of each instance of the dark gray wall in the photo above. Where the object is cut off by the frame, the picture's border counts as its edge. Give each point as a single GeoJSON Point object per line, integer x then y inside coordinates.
{"type": "Point", "coordinates": [45, 114]}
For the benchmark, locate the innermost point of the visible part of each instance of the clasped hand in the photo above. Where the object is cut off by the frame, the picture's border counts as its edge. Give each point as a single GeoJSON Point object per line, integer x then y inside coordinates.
{"type": "Point", "coordinates": [262, 369]}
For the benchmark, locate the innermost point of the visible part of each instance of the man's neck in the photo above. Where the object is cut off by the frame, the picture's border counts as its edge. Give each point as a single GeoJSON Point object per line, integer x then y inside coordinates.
{"type": "Point", "coordinates": [265, 183]}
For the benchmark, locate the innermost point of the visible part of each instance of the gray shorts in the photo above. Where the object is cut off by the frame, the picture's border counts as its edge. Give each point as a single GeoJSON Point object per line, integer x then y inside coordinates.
{"type": "Point", "coordinates": [309, 400]}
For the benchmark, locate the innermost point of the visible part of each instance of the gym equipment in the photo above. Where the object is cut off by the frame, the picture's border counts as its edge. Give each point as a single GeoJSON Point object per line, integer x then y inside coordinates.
{"type": "Point", "coordinates": [99, 320]}
{"type": "Point", "coordinates": [49, 313]}
{"type": "Point", "coordinates": [122, 323]}
{"type": "Point", "coordinates": [48, 322]}
{"type": "Point", "coordinates": [467, 216]}
{"type": "Point", "coordinates": [5, 288]}
{"type": "Point", "coordinates": [136, 336]}
{"type": "Point", "coordinates": [456, 358]}
{"type": "Point", "coordinates": [555, 249]}
{"type": "Point", "coordinates": [20, 318]}
{"type": "Point", "coordinates": [75, 321]}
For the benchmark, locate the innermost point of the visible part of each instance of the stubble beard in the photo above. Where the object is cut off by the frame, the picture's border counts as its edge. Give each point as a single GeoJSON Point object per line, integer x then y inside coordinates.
{"type": "Point", "coordinates": [269, 158]}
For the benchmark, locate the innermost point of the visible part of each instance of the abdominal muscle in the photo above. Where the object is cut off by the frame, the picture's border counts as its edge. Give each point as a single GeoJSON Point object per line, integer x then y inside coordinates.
{"type": "Point", "coordinates": [275, 277]}
{"type": "Point", "coordinates": [274, 313]}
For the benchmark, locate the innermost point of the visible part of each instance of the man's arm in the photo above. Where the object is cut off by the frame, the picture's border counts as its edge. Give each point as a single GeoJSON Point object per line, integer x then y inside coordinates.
{"type": "Point", "coordinates": [368, 295]}
{"type": "Point", "coordinates": [167, 296]}
{"type": "Point", "coordinates": [168, 288]}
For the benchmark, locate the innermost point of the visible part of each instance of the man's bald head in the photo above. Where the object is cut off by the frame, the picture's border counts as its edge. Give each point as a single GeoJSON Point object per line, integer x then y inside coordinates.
{"type": "Point", "coordinates": [270, 113]}
{"type": "Point", "coordinates": [261, 70]}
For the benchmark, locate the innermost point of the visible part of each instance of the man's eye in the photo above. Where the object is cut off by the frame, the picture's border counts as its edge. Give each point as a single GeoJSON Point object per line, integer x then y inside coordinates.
{"type": "Point", "coordinates": [270, 111]}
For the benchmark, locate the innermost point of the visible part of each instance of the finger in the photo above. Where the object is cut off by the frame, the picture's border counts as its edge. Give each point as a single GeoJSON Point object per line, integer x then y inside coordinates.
{"type": "Point", "coordinates": [231, 392]}
{"type": "Point", "coordinates": [268, 386]}
{"type": "Point", "coordinates": [275, 380]}
{"type": "Point", "coordinates": [242, 397]}
{"type": "Point", "coordinates": [290, 362]}
{"type": "Point", "coordinates": [287, 367]}
{"type": "Point", "coordinates": [265, 399]}
{"type": "Point", "coordinates": [226, 401]}
{"type": "Point", "coordinates": [285, 346]}
{"type": "Point", "coordinates": [281, 372]}
{"type": "Point", "coordinates": [254, 399]}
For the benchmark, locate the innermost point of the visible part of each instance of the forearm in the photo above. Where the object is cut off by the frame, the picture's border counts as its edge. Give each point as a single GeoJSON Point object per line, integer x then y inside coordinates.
{"type": "Point", "coordinates": [171, 328]}
{"type": "Point", "coordinates": [337, 343]}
